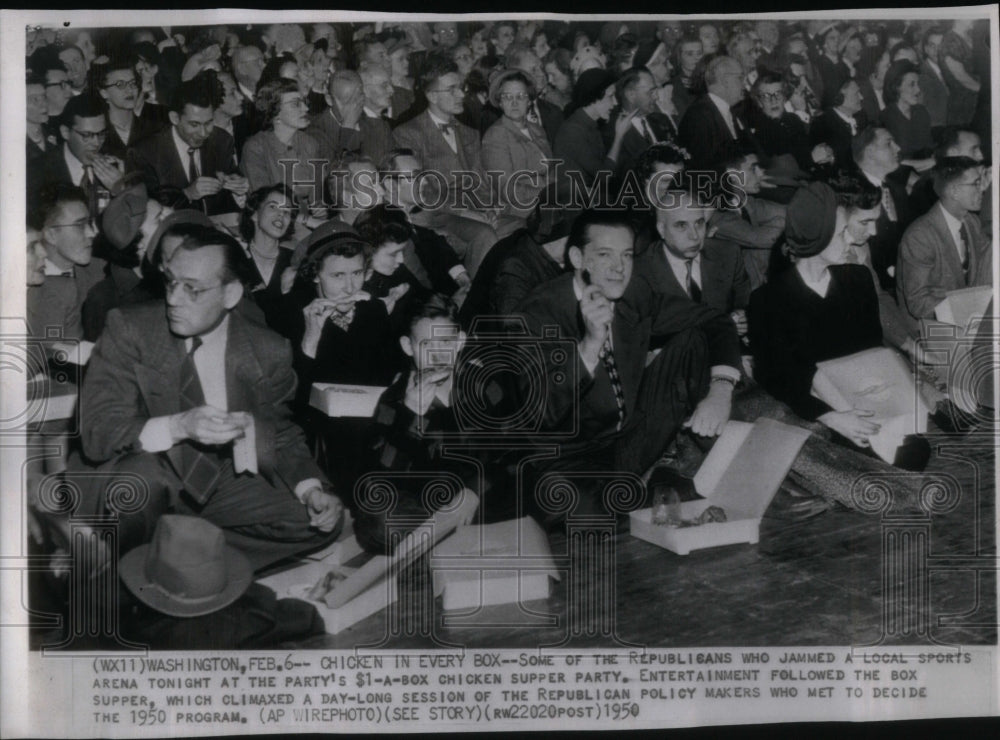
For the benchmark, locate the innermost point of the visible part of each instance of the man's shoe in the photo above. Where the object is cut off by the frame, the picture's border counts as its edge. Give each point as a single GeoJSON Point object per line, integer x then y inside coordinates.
{"type": "Point", "coordinates": [793, 504]}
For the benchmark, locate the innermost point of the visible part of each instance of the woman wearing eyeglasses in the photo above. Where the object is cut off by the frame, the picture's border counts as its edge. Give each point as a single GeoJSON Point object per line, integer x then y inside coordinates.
{"type": "Point", "coordinates": [282, 152]}
{"type": "Point", "coordinates": [118, 85]}
{"type": "Point", "coordinates": [516, 145]}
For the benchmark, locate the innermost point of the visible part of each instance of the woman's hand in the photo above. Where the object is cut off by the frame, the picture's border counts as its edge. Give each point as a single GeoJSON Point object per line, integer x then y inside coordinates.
{"type": "Point", "coordinates": [853, 424]}
{"type": "Point", "coordinates": [316, 314]}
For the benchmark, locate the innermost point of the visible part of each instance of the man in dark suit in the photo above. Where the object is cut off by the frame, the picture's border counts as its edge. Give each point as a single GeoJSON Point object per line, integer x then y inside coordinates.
{"type": "Point", "coordinates": [187, 394]}
{"type": "Point", "coordinates": [469, 216]}
{"type": "Point", "coordinates": [229, 114]}
{"type": "Point", "coordinates": [837, 126]}
{"type": "Point", "coordinates": [191, 163]}
{"type": "Point", "coordinates": [945, 249]}
{"type": "Point", "coordinates": [636, 92]}
{"type": "Point", "coordinates": [709, 130]}
{"type": "Point", "coordinates": [876, 155]}
{"type": "Point", "coordinates": [616, 411]}
{"type": "Point", "coordinates": [81, 160]}
{"type": "Point", "coordinates": [336, 128]}
{"type": "Point", "coordinates": [248, 64]}
{"type": "Point", "coordinates": [376, 136]}
{"type": "Point", "coordinates": [932, 84]}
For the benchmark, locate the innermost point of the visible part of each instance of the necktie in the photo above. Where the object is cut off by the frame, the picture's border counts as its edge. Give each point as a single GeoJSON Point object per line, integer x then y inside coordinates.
{"type": "Point", "coordinates": [88, 185]}
{"type": "Point", "coordinates": [448, 131]}
{"type": "Point", "coordinates": [647, 131]}
{"type": "Point", "coordinates": [964, 234]}
{"type": "Point", "coordinates": [888, 205]}
{"type": "Point", "coordinates": [192, 165]}
{"type": "Point", "coordinates": [608, 358]}
{"type": "Point", "coordinates": [343, 320]}
{"type": "Point", "coordinates": [68, 273]}
{"type": "Point", "coordinates": [200, 472]}
{"type": "Point", "coordinates": [745, 215]}
{"type": "Point", "coordinates": [693, 289]}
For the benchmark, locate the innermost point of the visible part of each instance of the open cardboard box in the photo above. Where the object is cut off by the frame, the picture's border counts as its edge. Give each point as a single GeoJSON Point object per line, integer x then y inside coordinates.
{"type": "Point", "coordinates": [504, 563]}
{"type": "Point", "coordinates": [741, 474]}
{"type": "Point", "coordinates": [343, 400]}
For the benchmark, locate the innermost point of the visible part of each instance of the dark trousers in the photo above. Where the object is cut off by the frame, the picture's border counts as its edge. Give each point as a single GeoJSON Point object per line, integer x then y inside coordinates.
{"type": "Point", "coordinates": [266, 523]}
{"type": "Point", "coordinates": [603, 472]}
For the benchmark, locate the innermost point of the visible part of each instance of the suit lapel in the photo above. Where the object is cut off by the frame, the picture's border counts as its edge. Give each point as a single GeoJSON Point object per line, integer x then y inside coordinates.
{"type": "Point", "coordinates": [243, 370]}
{"type": "Point", "coordinates": [950, 250]}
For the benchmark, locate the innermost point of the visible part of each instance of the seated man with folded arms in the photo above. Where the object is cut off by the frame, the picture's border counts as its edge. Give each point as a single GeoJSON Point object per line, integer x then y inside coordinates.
{"type": "Point", "coordinates": [185, 393]}
{"type": "Point", "coordinates": [945, 249]}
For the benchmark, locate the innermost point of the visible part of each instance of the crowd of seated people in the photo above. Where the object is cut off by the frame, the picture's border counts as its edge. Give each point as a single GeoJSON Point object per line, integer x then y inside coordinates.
{"type": "Point", "coordinates": [703, 210]}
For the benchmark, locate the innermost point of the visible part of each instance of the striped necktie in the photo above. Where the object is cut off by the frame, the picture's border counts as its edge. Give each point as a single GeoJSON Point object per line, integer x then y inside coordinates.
{"type": "Point", "coordinates": [608, 358]}
{"type": "Point", "coordinates": [201, 470]}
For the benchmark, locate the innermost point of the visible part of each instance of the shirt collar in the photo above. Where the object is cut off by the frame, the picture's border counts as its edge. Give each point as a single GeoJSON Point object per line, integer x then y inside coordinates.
{"type": "Point", "coordinates": [678, 263]}
{"type": "Point", "coordinates": [954, 224]}
{"type": "Point", "coordinates": [182, 149]}
{"type": "Point", "coordinates": [76, 168]}
{"type": "Point", "coordinates": [721, 104]}
{"type": "Point", "coordinates": [849, 119]}
{"type": "Point", "coordinates": [439, 121]}
{"type": "Point", "coordinates": [53, 270]}
{"type": "Point", "coordinates": [373, 114]}
{"type": "Point", "coordinates": [876, 181]}
{"type": "Point", "coordinates": [216, 338]}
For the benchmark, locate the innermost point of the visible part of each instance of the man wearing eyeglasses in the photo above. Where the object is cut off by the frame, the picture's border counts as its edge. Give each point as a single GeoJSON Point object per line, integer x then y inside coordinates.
{"type": "Point", "coordinates": [66, 232]}
{"type": "Point", "coordinates": [82, 160]}
{"type": "Point", "coordinates": [119, 88]}
{"type": "Point", "coordinates": [469, 217]}
{"type": "Point", "coordinates": [185, 393]}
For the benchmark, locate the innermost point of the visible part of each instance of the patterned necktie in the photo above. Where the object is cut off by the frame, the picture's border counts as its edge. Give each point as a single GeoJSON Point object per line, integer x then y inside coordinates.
{"type": "Point", "coordinates": [888, 205]}
{"type": "Point", "coordinates": [343, 320]}
{"type": "Point", "coordinates": [608, 358]}
{"type": "Point", "coordinates": [448, 131]}
{"type": "Point", "coordinates": [693, 289]}
{"type": "Point", "coordinates": [963, 233]}
{"type": "Point", "coordinates": [201, 471]}
{"type": "Point", "coordinates": [192, 165]}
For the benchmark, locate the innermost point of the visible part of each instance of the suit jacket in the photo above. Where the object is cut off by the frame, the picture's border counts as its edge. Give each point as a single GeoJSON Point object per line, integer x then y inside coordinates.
{"type": "Point", "coordinates": [580, 146]}
{"type": "Point", "coordinates": [333, 139]}
{"type": "Point", "coordinates": [833, 74]}
{"type": "Point", "coordinates": [166, 176]}
{"type": "Point", "coordinates": [422, 135]}
{"type": "Point", "coordinates": [640, 316]}
{"type": "Point", "coordinates": [724, 282]}
{"type": "Point", "coordinates": [51, 169]}
{"type": "Point", "coordinates": [134, 375]}
{"type": "Point", "coordinates": [376, 138]}
{"type": "Point", "coordinates": [869, 102]}
{"type": "Point", "coordinates": [705, 134]}
{"type": "Point", "coordinates": [58, 302]}
{"type": "Point", "coordinates": [142, 127]}
{"type": "Point", "coordinates": [929, 265]}
{"type": "Point", "coordinates": [935, 98]}
{"type": "Point", "coordinates": [829, 128]}
{"type": "Point", "coordinates": [884, 245]}
{"type": "Point", "coordinates": [506, 149]}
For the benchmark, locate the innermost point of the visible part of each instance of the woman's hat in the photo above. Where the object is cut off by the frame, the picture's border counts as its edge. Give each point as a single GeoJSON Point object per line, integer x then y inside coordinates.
{"type": "Point", "coordinates": [124, 215]}
{"type": "Point", "coordinates": [591, 85]}
{"type": "Point", "coordinates": [187, 570]}
{"type": "Point", "coordinates": [508, 74]}
{"type": "Point", "coordinates": [811, 219]}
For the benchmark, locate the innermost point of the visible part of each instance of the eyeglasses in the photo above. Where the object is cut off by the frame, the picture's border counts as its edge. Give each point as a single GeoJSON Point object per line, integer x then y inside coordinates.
{"type": "Point", "coordinates": [771, 97]}
{"type": "Point", "coordinates": [296, 103]}
{"type": "Point", "coordinates": [124, 85]}
{"type": "Point", "coordinates": [453, 90]}
{"type": "Point", "coordinates": [65, 84]}
{"type": "Point", "coordinates": [170, 284]}
{"type": "Point", "coordinates": [511, 97]}
{"type": "Point", "coordinates": [91, 135]}
{"type": "Point", "coordinates": [82, 223]}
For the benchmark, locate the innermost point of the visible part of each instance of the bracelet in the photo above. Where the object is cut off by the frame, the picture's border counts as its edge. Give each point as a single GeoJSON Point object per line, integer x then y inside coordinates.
{"type": "Point", "coordinates": [724, 379]}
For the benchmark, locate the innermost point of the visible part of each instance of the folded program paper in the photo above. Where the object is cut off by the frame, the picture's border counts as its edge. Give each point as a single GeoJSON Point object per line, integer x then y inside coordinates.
{"type": "Point", "coordinates": [963, 306]}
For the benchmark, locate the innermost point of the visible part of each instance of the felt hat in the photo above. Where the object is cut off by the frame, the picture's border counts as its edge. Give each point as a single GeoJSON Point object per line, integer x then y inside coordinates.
{"type": "Point", "coordinates": [124, 215]}
{"type": "Point", "coordinates": [811, 219]}
{"type": "Point", "coordinates": [183, 216]}
{"type": "Point", "coordinates": [187, 570]}
{"type": "Point", "coordinates": [591, 85]}
{"type": "Point", "coordinates": [499, 79]}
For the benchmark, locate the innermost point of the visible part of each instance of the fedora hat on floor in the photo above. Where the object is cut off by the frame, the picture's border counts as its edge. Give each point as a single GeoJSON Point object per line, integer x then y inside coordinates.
{"type": "Point", "coordinates": [187, 570]}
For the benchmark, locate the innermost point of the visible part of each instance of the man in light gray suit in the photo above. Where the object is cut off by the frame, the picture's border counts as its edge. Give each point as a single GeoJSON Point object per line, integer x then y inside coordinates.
{"type": "Point", "coordinates": [945, 249]}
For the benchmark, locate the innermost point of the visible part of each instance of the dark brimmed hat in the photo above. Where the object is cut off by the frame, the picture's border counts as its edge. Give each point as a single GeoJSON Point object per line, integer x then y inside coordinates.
{"type": "Point", "coordinates": [811, 219]}
{"type": "Point", "coordinates": [187, 570]}
{"type": "Point", "coordinates": [124, 215]}
{"type": "Point", "coordinates": [591, 85]}
{"type": "Point", "coordinates": [508, 74]}
{"type": "Point", "coordinates": [183, 216]}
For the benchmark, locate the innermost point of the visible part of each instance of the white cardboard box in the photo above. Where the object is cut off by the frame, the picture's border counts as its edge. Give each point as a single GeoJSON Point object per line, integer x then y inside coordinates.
{"type": "Point", "coordinates": [504, 563]}
{"type": "Point", "coordinates": [733, 477]}
{"type": "Point", "coordinates": [343, 400]}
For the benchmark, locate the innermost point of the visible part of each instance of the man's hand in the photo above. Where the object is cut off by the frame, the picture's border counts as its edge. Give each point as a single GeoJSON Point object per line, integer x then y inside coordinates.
{"type": "Point", "coordinates": [598, 313]}
{"type": "Point", "coordinates": [711, 415]}
{"type": "Point", "coordinates": [324, 509]}
{"type": "Point", "coordinates": [353, 109]}
{"type": "Point", "coordinates": [422, 388]}
{"type": "Point", "coordinates": [235, 184]}
{"type": "Point", "coordinates": [739, 317]}
{"type": "Point", "coordinates": [822, 154]}
{"type": "Point", "coordinates": [853, 424]}
{"type": "Point", "coordinates": [108, 170]}
{"type": "Point", "coordinates": [207, 425]}
{"type": "Point", "coordinates": [202, 187]}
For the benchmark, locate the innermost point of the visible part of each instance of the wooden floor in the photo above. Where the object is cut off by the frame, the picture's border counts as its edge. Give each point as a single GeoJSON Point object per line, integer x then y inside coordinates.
{"type": "Point", "coordinates": [818, 582]}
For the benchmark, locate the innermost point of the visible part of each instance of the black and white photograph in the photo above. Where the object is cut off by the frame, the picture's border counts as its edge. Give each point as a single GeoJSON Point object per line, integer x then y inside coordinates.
{"type": "Point", "coordinates": [414, 372]}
